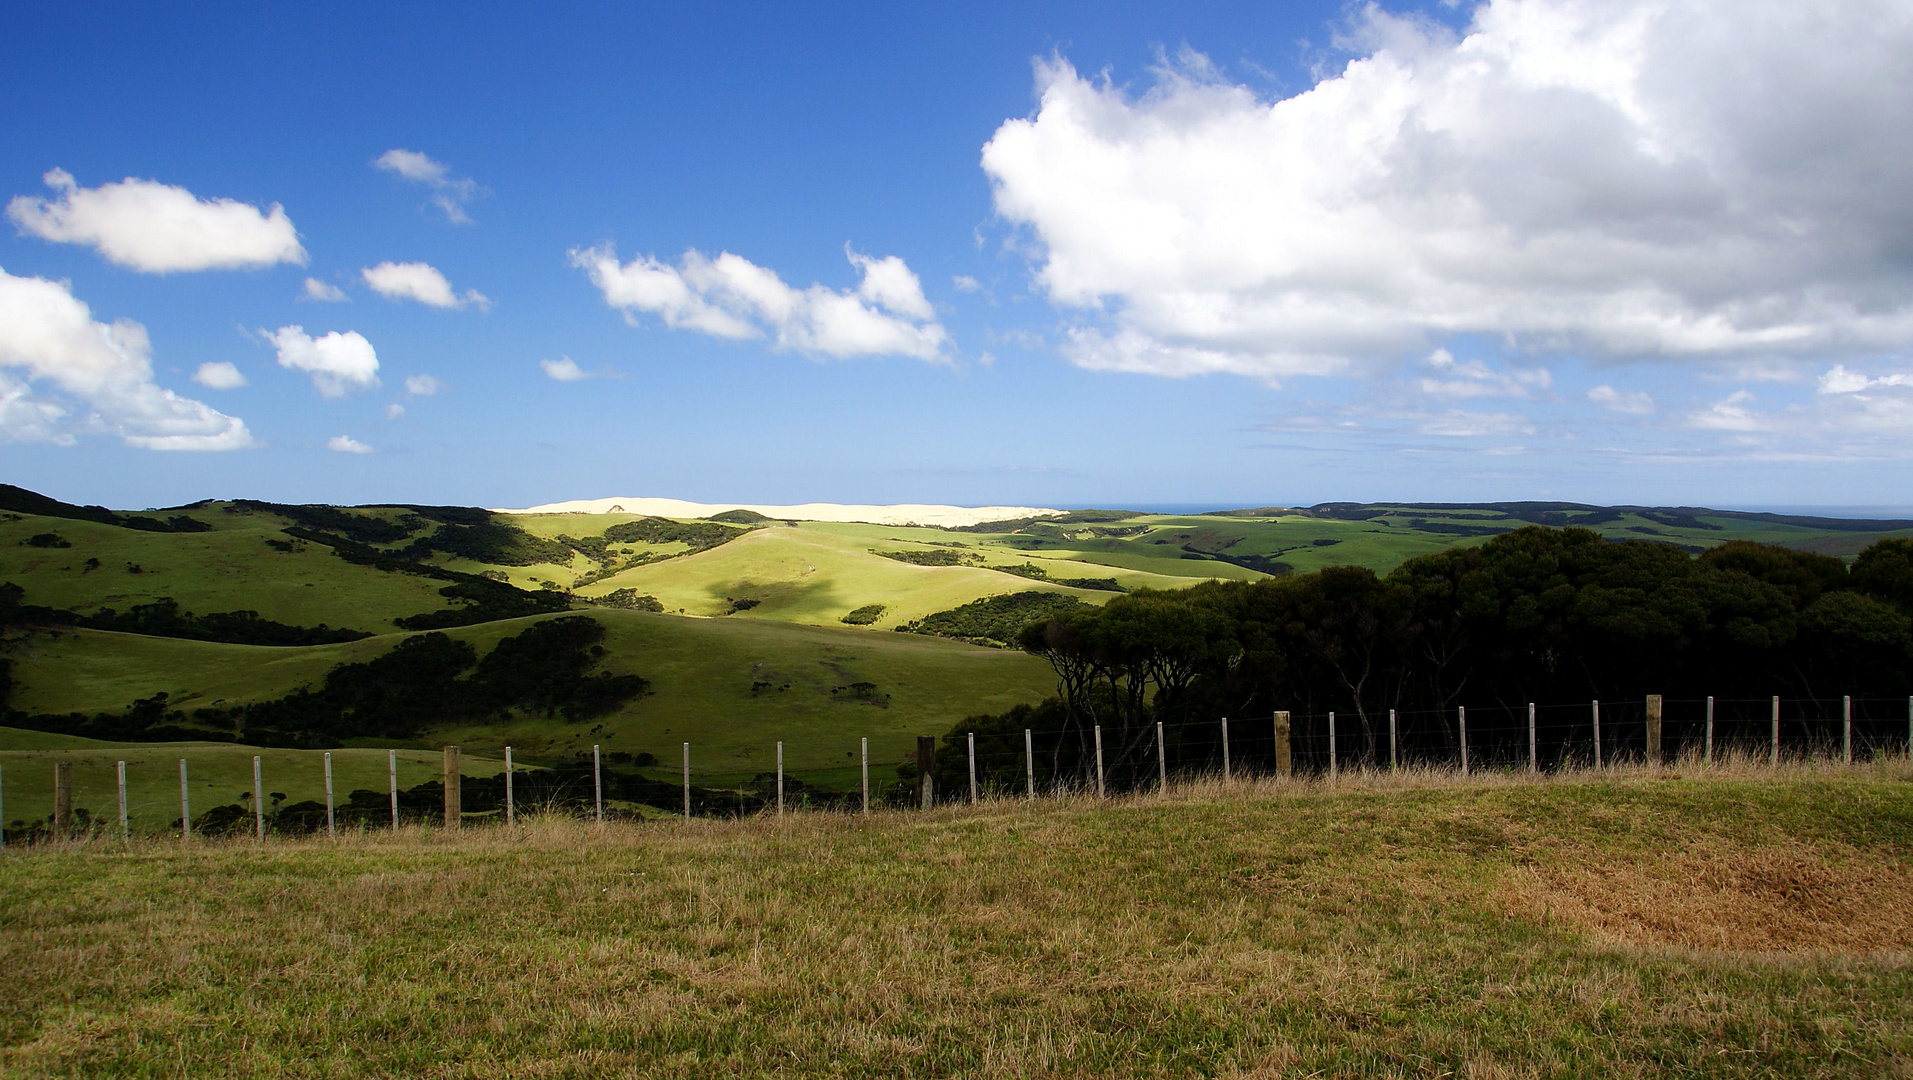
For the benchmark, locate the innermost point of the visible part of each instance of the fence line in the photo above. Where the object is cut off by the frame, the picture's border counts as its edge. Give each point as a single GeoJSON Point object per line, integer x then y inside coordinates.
{"type": "Point", "coordinates": [1612, 734]}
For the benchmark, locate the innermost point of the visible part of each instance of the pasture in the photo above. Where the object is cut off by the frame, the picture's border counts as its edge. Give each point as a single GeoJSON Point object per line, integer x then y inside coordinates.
{"type": "Point", "coordinates": [1683, 921]}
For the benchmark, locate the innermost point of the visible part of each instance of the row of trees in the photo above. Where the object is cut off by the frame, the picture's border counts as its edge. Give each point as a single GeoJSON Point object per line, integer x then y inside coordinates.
{"type": "Point", "coordinates": [1542, 615]}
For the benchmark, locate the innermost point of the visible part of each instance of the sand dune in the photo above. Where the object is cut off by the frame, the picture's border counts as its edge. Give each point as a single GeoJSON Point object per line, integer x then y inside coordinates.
{"type": "Point", "coordinates": [901, 514]}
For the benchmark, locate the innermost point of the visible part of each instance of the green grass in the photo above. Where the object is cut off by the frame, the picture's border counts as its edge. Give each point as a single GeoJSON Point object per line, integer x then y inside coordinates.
{"type": "Point", "coordinates": [216, 775]}
{"type": "Point", "coordinates": [702, 673]}
{"type": "Point", "coordinates": [1419, 928]}
{"type": "Point", "coordinates": [228, 569]}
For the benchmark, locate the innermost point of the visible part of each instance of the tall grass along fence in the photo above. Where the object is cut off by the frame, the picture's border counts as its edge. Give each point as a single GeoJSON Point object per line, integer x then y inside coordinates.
{"type": "Point", "coordinates": [962, 766]}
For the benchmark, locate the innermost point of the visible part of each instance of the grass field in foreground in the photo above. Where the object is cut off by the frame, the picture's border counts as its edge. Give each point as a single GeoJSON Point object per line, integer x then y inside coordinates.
{"type": "Point", "coordinates": [1632, 924]}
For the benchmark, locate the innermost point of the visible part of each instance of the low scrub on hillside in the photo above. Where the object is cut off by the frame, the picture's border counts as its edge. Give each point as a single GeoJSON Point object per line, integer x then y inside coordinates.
{"type": "Point", "coordinates": [995, 620]}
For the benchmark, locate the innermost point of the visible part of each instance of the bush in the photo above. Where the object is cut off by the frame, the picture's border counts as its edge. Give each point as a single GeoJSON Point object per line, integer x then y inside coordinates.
{"type": "Point", "coordinates": [864, 615]}
{"type": "Point", "coordinates": [995, 620]}
{"type": "Point", "coordinates": [629, 600]}
{"type": "Point", "coordinates": [48, 540]}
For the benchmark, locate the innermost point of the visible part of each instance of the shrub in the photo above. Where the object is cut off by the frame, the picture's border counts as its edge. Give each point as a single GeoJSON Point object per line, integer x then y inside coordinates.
{"type": "Point", "coordinates": [864, 615]}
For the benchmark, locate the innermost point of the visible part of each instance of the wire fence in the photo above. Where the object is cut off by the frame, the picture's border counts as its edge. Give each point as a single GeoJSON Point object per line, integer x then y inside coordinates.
{"type": "Point", "coordinates": [67, 795]}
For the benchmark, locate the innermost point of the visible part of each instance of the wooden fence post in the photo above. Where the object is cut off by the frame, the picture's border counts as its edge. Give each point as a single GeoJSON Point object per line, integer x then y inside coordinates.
{"type": "Point", "coordinates": [1597, 732]}
{"type": "Point", "coordinates": [1332, 764]}
{"type": "Point", "coordinates": [1846, 730]}
{"type": "Point", "coordinates": [392, 782]}
{"type": "Point", "coordinates": [1773, 753]}
{"type": "Point", "coordinates": [1534, 753]}
{"type": "Point", "coordinates": [597, 780]}
{"type": "Point", "coordinates": [1284, 762]}
{"type": "Point", "coordinates": [1162, 763]}
{"type": "Point", "coordinates": [1653, 729]}
{"type": "Point", "coordinates": [185, 807]}
{"type": "Point", "coordinates": [687, 781]}
{"type": "Point", "coordinates": [258, 800]}
{"type": "Point", "coordinates": [973, 767]}
{"type": "Point", "coordinates": [1029, 761]}
{"type": "Point", "coordinates": [331, 825]}
{"type": "Point", "coordinates": [3, 811]}
{"type": "Point", "coordinates": [1707, 753]}
{"type": "Point", "coordinates": [1101, 791]}
{"type": "Point", "coordinates": [780, 778]}
{"type": "Point", "coordinates": [63, 800]}
{"type": "Point", "coordinates": [511, 803]}
{"type": "Point", "coordinates": [1225, 750]}
{"type": "Point", "coordinates": [1461, 712]}
{"type": "Point", "coordinates": [126, 830]}
{"type": "Point", "coordinates": [454, 804]}
{"type": "Point", "coordinates": [926, 767]}
{"type": "Point", "coordinates": [866, 768]}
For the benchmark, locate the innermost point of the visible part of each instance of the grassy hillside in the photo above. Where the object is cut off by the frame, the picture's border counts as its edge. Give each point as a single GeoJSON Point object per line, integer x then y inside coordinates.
{"type": "Point", "coordinates": [217, 774]}
{"type": "Point", "coordinates": [1685, 925]}
{"type": "Point", "coordinates": [732, 687]}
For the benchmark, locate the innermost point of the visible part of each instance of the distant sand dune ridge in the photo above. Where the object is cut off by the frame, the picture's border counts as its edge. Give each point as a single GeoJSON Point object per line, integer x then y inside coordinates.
{"type": "Point", "coordinates": [901, 514]}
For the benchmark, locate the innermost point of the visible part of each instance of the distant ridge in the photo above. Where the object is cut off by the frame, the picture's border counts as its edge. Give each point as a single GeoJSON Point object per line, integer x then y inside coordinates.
{"type": "Point", "coordinates": [1566, 513]}
{"type": "Point", "coordinates": [901, 514]}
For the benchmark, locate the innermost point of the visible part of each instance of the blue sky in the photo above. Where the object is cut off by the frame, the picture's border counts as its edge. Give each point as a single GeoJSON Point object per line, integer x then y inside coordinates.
{"type": "Point", "coordinates": [1059, 255]}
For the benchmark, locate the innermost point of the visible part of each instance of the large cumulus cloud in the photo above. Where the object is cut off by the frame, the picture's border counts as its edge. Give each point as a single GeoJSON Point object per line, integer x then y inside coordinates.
{"type": "Point", "coordinates": [1618, 178]}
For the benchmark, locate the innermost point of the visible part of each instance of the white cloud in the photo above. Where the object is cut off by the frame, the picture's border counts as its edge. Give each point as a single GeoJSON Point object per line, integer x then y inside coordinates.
{"type": "Point", "coordinates": [319, 290]}
{"type": "Point", "coordinates": [1463, 379]}
{"type": "Point", "coordinates": [564, 369]}
{"type": "Point", "coordinates": [422, 385]}
{"type": "Point", "coordinates": [1728, 414]}
{"type": "Point", "coordinates": [1838, 380]}
{"type": "Point", "coordinates": [422, 282]}
{"type": "Point", "coordinates": [394, 411]}
{"type": "Point", "coordinates": [731, 297]}
{"type": "Point", "coordinates": [1632, 402]}
{"type": "Point", "coordinates": [966, 284]}
{"type": "Point", "coordinates": [338, 363]}
{"type": "Point", "coordinates": [107, 370]}
{"type": "Point", "coordinates": [449, 193]}
{"type": "Point", "coordinates": [220, 375]}
{"type": "Point", "coordinates": [346, 444]}
{"type": "Point", "coordinates": [1461, 424]}
{"type": "Point", "coordinates": [155, 228]}
{"type": "Point", "coordinates": [1618, 178]}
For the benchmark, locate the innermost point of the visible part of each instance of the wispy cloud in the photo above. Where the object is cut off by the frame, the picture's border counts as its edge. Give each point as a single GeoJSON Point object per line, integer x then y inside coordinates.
{"type": "Point", "coordinates": [450, 194]}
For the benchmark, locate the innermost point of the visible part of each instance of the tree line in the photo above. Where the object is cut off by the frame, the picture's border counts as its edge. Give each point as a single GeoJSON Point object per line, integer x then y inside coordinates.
{"type": "Point", "coordinates": [1544, 615]}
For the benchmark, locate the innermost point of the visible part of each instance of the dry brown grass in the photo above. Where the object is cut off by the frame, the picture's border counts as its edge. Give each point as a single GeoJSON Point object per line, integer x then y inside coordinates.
{"type": "Point", "coordinates": [1387, 925]}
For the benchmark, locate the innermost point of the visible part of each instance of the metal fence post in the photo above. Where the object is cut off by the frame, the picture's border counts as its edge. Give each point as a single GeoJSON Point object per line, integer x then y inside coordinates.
{"type": "Point", "coordinates": [1162, 763]}
{"type": "Point", "coordinates": [597, 781]}
{"type": "Point", "coordinates": [1707, 752]}
{"type": "Point", "coordinates": [1596, 706]}
{"type": "Point", "coordinates": [972, 766]}
{"type": "Point", "coordinates": [185, 807]}
{"type": "Point", "coordinates": [331, 825]}
{"type": "Point", "coordinates": [866, 770]}
{"type": "Point", "coordinates": [687, 781]}
{"type": "Point", "coordinates": [126, 831]}
{"type": "Point", "coordinates": [1101, 792]}
{"type": "Point", "coordinates": [1846, 730]}
{"type": "Point", "coordinates": [511, 802]}
{"type": "Point", "coordinates": [1773, 754]}
{"type": "Point", "coordinates": [1393, 756]}
{"type": "Point", "coordinates": [1029, 758]}
{"type": "Point", "coordinates": [392, 776]}
{"type": "Point", "coordinates": [1225, 750]}
{"type": "Point", "coordinates": [780, 778]}
{"type": "Point", "coordinates": [1534, 751]}
{"type": "Point", "coordinates": [258, 799]}
{"type": "Point", "coordinates": [1333, 765]}
{"type": "Point", "coordinates": [1462, 712]}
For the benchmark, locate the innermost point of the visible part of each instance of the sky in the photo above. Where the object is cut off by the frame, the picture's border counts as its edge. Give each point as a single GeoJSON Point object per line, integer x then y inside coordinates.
{"type": "Point", "coordinates": [1132, 255]}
